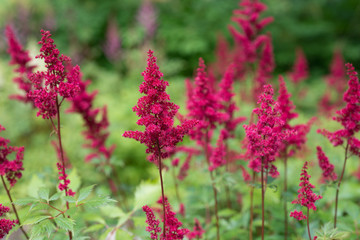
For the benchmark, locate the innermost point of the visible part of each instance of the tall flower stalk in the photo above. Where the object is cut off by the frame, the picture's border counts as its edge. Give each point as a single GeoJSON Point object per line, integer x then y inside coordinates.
{"type": "Point", "coordinates": [264, 141]}
{"type": "Point", "coordinates": [305, 198]}
{"type": "Point", "coordinates": [294, 142]}
{"type": "Point", "coordinates": [157, 114]}
{"type": "Point", "coordinates": [203, 104]}
{"type": "Point", "coordinates": [50, 89]}
{"type": "Point", "coordinates": [10, 171]}
{"type": "Point", "coordinates": [349, 118]}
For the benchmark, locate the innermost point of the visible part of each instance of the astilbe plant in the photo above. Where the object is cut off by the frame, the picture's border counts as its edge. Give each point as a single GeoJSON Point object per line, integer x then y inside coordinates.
{"type": "Point", "coordinates": [305, 198]}
{"type": "Point", "coordinates": [264, 140]}
{"type": "Point", "coordinates": [254, 50]}
{"type": "Point", "coordinates": [5, 224]}
{"type": "Point", "coordinates": [10, 171]}
{"type": "Point", "coordinates": [204, 106]}
{"type": "Point", "coordinates": [325, 165]}
{"type": "Point", "coordinates": [335, 83]}
{"type": "Point", "coordinates": [293, 142]}
{"type": "Point", "coordinates": [349, 118]}
{"type": "Point", "coordinates": [50, 89]}
{"type": "Point", "coordinates": [21, 59]}
{"type": "Point", "coordinates": [157, 114]}
{"type": "Point", "coordinates": [300, 69]}
{"type": "Point", "coordinates": [96, 130]}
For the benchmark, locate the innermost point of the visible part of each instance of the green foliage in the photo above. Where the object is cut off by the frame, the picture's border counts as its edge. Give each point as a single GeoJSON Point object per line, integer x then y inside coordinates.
{"type": "Point", "coordinates": [327, 232]}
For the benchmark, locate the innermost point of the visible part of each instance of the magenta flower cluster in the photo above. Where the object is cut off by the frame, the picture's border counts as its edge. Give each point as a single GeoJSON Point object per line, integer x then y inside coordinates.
{"type": "Point", "coordinates": [264, 137]}
{"type": "Point", "coordinates": [349, 116]}
{"type": "Point", "coordinates": [55, 81]}
{"type": "Point", "coordinates": [96, 128]}
{"type": "Point", "coordinates": [172, 224]}
{"type": "Point", "coordinates": [21, 58]}
{"type": "Point", "coordinates": [296, 135]}
{"type": "Point", "coordinates": [63, 177]}
{"type": "Point", "coordinates": [306, 197]}
{"type": "Point", "coordinates": [300, 68]}
{"type": "Point", "coordinates": [157, 114]}
{"type": "Point", "coordinates": [10, 168]}
{"type": "Point", "coordinates": [203, 105]}
{"type": "Point", "coordinates": [325, 165]}
{"type": "Point", "coordinates": [197, 231]}
{"type": "Point", "coordinates": [5, 224]}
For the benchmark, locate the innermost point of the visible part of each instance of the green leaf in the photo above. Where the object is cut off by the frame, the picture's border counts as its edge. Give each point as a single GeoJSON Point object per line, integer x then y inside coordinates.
{"type": "Point", "coordinates": [55, 196]}
{"type": "Point", "coordinates": [65, 223]}
{"type": "Point", "coordinates": [35, 220]}
{"type": "Point", "coordinates": [36, 231]}
{"type": "Point", "coordinates": [69, 199]}
{"type": "Point", "coordinates": [98, 202]}
{"type": "Point", "coordinates": [25, 201]}
{"type": "Point", "coordinates": [95, 228]}
{"type": "Point", "coordinates": [48, 227]}
{"type": "Point", "coordinates": [84, 193]}
{"type": "Point", "coordinates": [75, 180]}
{"type": "Point", "coordinates": [34, 185]}
{"type": "Point", "coordinates": [44, 193]}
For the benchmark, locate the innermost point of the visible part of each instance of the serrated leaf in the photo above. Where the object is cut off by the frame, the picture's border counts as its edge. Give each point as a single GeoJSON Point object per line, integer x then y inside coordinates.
{"type": "Point", "coordinates": [98, 202]}
{"type": "Point", "coordinates": [48, 227]}
{"type": "Point", "coordinates": [84, 193]}
{"type": "Point", "coordinates": [65, 223]}
{"type": "Point", "coordinates": [36, 231]}
{"type": "Point", "coordinates": [35, 220]}
{"type": "Point", "coordinates": [56, 196]}
{"type": "Point", "coordinates": [34, 185]}
{"type": "Point", "coordinates": [44, 193]}
{"type": "Point", "coordinates": [25, 201]}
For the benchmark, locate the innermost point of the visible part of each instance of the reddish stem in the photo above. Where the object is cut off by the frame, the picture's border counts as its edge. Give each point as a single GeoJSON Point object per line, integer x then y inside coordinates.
{"type": "Point", "coordinates": [13, 207]}
{"type": "Point", "coordinates": [308, 226]}
{"type": "Point", "coordinates": [339, 183]}
{"type": "Point", "coordinates": [62, 154]}
{"type": "Point", "coordinates": [162, 189]}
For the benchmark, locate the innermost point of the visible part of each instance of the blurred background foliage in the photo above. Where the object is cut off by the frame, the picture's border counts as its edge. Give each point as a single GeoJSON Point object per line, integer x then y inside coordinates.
{"type": "Point", "coordinates": [108, 39]}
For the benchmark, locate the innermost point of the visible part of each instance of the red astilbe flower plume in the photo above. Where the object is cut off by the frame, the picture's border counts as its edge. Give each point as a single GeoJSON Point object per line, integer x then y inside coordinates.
{"type": "Point", "coordinates": [95, 121]}
{"type": "Point", "coordinates": [248, 19]}
{"type": "Point", "coordinates": [203, 105]}
{"type": "Point", "coordinates": [55, 81]}
{"type": "Point", "coordinates": [325, 165]}
{"type": "Point", "coordinates": [226, 94]}
{"type": "Point", "coordinates": [349, 116]}
{"type": "Point", "coordinates": [264, 139]}
{"type": "Point", "coordinates": [300, 68]}
{"type": "Point", "coordinates": [306, 197]}
{"type": "Point", "coordinates": [336, 80]}
{"type": "Point", "coordinates": [197, 232]}
{"type": "Point", "coordinates": [21, 59]}
{"type": "Point", "coordinates": [153, 224]}
{"type": "Point", "coordinates": [5, 224]}
{"type": "Point", "coordinates": [172, 224]}
{"type": "Point", "coordinates": [297, 138]}
{"type": "Point", "coordinates": [157, 113]}
{"type": "Point", "coordinates": [10, 168]}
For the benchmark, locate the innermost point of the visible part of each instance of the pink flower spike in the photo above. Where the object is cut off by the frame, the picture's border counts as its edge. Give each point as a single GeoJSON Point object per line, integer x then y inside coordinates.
{"type": "Point", "coordinates": [306, 197]}
{"type": "Point", "coordinates": [55, 82]}
{"type": "Point", "coordinates": [5, 224]}
{"type": "Point", "coordinates": [300, 68]}
{"type": "Point", "coordinates": [157, 114]}
{"type": "Point", "coordinates": [325, 165]}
